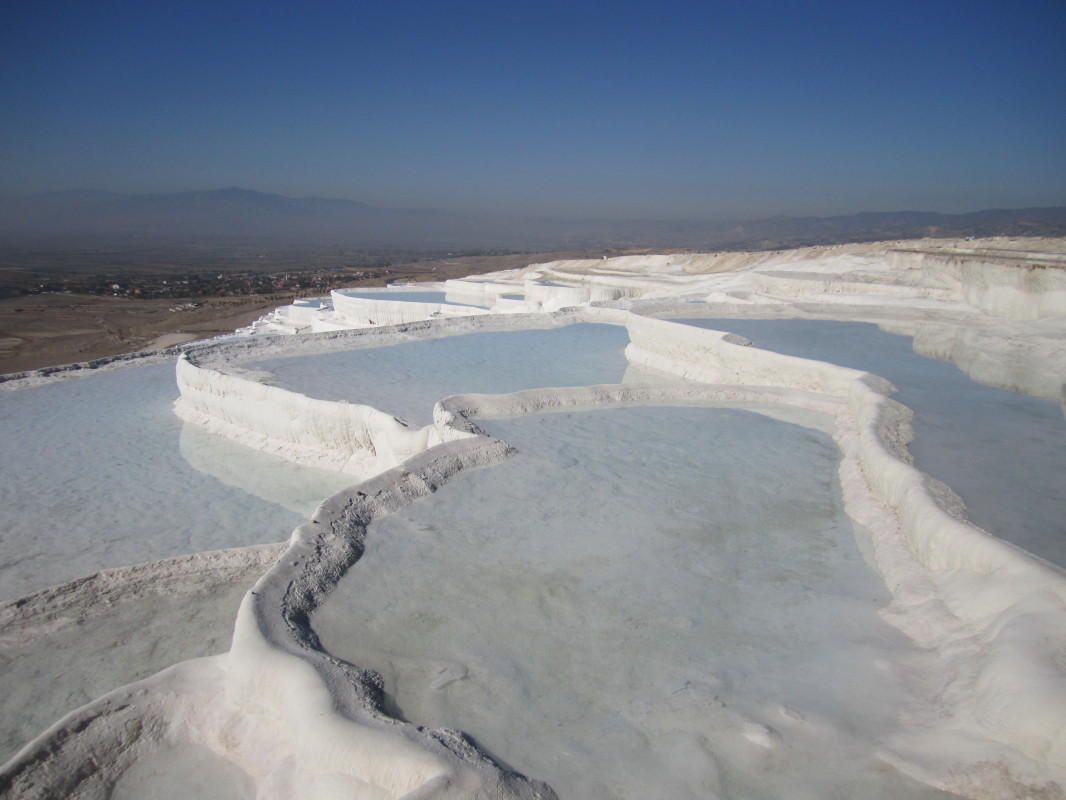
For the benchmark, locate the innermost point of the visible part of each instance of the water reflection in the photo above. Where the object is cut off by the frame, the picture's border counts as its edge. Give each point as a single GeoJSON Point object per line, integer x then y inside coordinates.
{"type": "Point", "coordinates": [298, 488]}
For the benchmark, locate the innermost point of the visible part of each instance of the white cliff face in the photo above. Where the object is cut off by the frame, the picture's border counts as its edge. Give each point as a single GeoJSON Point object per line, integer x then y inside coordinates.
{"type": "Point", "coordinates": [355, 439]}
{"type": "Point", "coordinates": [394, 307]}
{"type": "Point", "coordinates": [1007, 283]}
{"type": "Point", "coordinates": [980, 681]}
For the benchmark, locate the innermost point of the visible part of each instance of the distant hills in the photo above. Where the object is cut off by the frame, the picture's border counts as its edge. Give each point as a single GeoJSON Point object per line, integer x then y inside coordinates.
{"type": "Point", "coordinates": [223, 215]}
{"type": "Point", "coordinates": [235, 215]}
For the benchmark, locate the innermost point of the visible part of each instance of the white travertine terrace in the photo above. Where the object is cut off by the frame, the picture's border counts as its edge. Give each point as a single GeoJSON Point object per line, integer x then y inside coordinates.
{"type": "Point", "coordinates": [301, 723]}
{"type": "Point", "coordinates": [348, 437]}
{"type": "Point", "coordinates": [359, 311]}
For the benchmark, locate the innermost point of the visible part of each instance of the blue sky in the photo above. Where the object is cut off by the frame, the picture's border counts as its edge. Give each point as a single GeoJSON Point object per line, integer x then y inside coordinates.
{"type": "Point", "coordinates": [577, 109]}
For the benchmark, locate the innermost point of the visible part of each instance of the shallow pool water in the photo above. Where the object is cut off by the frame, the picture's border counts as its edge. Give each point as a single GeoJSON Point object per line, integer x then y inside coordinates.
{"type": "Point", "coordinates": [93, 477]}
{"type": "Point", "coordinates": [1003, 453]}
{"type": "Point", "coordinates": [408, 379]}
{"type": "Point", "coordinates": [643, 602]}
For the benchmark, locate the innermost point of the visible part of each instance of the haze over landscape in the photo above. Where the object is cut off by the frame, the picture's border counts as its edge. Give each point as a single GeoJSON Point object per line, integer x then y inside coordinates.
{"type": "Point", "coordinates": [678, 110]}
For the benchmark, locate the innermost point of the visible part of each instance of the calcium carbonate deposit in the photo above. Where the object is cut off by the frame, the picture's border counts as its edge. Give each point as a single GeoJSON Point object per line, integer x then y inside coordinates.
{"type": "Point", "coordinates": [681, 525]}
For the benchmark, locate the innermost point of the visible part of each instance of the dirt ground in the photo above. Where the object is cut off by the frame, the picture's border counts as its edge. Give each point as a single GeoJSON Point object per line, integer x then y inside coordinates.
{"type": "Point", "coordinates": [45, 330]}
{"type": "Point", "coordinates": [48, 329]}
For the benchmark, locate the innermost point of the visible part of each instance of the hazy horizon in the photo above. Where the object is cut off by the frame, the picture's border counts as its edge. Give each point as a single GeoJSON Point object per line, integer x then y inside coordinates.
{"type": "Point", "coordinates": [676, 110]}
{"type": "Point", "coordinates": [503, 213]}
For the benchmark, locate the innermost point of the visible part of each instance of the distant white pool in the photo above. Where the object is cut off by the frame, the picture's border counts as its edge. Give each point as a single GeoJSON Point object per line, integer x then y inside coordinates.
{"type": "Point", "coordinates": [400, 297]}
{"type": "Point", "coordinates": [644, 602]}
{"type": "Point", "coordinates": [407, 379]}
{"type": "Point", "coordinates": [1003, 453]}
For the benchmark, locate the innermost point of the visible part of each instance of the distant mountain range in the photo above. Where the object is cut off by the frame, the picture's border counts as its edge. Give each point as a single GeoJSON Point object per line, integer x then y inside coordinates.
{"type": "Point", "coordinates": [243, 216]}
